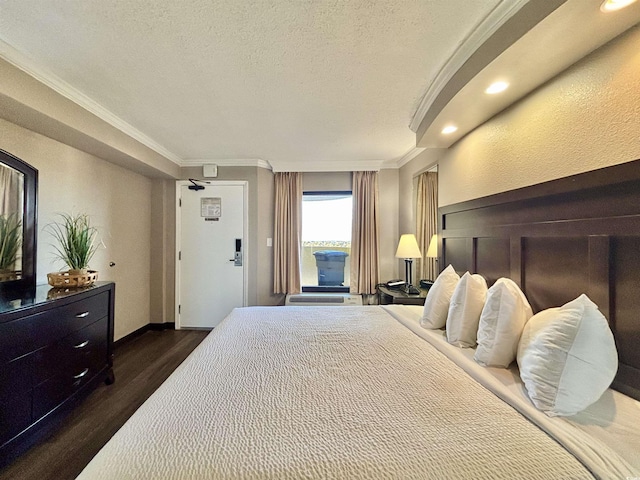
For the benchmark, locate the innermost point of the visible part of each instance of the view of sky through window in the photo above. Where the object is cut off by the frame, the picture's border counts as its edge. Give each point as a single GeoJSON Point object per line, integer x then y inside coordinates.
{"type": "Point", "coordinates": [325, 218]}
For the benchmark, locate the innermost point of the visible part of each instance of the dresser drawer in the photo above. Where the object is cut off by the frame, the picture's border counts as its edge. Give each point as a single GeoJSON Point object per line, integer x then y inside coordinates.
{"type": "Point", "coordinates": [58, 322]}
{"type": "Point", "coordinates": [15, 415]}
{"type": "Point", "coordinates": [52, 392]}
{"type": "Point", "coordinates": [32, 332]}
{"type": "Point", "coordinates": [16, 377]}
{"type": "Point", "coordinates": [17, 338]}
{"type": "Point", "coordinates": [85, 348]}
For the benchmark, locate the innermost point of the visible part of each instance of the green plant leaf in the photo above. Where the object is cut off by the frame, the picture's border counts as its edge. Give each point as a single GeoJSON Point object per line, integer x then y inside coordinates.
{"type": "Point", "coordinates": [10, 240]}
{"type": "Point", "coordinates": [76, 239]}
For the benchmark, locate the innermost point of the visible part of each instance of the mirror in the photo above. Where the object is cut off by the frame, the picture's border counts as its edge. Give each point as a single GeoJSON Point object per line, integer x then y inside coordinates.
{"type": "Point", "coordinates": [18, 184]}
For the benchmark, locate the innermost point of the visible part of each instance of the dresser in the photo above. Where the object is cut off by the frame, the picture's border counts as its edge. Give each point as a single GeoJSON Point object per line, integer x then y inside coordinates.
{"type": "Point", "coordinates": [55, 347]}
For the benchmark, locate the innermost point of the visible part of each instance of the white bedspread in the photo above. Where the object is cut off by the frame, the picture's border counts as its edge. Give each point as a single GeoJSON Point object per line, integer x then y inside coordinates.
{"type": "Point", "coordinates": [326, 392]}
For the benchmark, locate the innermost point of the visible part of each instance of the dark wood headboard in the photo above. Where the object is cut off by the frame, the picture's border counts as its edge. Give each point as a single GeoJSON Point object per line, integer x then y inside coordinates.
{"type": "Point", "coordinates": [557, 240]}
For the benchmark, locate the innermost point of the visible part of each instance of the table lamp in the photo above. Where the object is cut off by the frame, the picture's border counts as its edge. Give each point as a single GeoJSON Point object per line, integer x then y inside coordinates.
{"type": "Point", "coordinates": [432, 251]}
{"type": "Point", "coordinates": [408, 249]}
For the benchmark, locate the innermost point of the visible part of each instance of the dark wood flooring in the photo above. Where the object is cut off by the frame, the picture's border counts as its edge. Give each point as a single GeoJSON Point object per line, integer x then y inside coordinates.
{"type": "Point", "coordinates": [140, 366]}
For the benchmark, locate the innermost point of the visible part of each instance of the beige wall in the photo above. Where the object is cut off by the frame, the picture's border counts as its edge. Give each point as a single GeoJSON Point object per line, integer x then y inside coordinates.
{"type": "Point", "coordinates": [29, 103]}
{"type": "Point", "coordinates": [388, 186]}
{"type": "Point", "coordinates": [326, 181]}
{"type": "Point", "coordinates": [586, 118]}
{"type": "Point", "coordinates": [264, 253]}
{"type": "Point", "coordinates": [162, 250]}
{"type": "Point", "coordinates": [119, 203]}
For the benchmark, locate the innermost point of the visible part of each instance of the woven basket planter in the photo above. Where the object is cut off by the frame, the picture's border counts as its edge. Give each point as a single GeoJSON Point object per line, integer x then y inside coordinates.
{"type": "Point", "coordinates": [8, 275]}
{"type": "Point", "coordinates": [71, 279]}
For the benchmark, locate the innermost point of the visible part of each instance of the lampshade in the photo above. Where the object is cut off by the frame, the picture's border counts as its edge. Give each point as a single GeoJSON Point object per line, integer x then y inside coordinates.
{"type": "Point", "coordinates": [408, 247]}
{"type": "Point", "coordinates": [432, 251]}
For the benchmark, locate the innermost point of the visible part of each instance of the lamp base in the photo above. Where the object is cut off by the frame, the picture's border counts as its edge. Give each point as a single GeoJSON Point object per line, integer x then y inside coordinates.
{"type": "Point", "coordinates": [411, 290]}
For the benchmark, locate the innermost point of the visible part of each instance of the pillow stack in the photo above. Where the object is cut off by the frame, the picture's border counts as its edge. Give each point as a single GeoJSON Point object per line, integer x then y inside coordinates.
{"type": "Point", "coordinates": [567, 355]}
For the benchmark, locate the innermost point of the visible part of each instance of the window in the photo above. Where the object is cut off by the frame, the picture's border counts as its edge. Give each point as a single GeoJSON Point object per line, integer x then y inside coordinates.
{"type": "Point", "coordinates": [326, 241]}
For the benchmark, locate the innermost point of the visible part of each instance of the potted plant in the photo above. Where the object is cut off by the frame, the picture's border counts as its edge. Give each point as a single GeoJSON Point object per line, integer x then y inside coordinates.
{"type": "Point", "coordinates": [10, 244]}
{"type": "Point", "coordinates": [77, 243]}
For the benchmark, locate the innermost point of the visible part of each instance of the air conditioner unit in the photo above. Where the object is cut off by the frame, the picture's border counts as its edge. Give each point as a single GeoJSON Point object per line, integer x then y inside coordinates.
{"type": "Point", "coordinates": [323, 299]}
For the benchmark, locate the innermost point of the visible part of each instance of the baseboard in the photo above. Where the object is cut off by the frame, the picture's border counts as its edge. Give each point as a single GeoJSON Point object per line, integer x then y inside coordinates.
{"type": "Point", "coordinates": [162, 326]}
{"type": "Point", "coordinates": [144, 329]}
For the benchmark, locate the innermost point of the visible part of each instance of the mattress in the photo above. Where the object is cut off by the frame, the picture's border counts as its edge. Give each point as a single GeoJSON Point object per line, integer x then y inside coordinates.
{"type": "Point", "coordinates": [607, 431]}
{"type": "Point", "coordinates": [331, 392]}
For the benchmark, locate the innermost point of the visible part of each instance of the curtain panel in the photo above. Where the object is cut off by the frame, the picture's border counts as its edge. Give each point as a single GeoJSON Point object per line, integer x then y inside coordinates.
{"type": "Point", "coordinates": [365, 246]}
{"type": "Point", "coordinates": [287, 228]}
{"type": "Point", "coordinates": [12, 191]}
{"type": "Point", "coordinates": [426, 223]}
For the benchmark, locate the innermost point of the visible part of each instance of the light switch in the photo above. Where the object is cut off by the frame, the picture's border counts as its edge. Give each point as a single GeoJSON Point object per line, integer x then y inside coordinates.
{"type": "Point", "coordinates": [269, 242]}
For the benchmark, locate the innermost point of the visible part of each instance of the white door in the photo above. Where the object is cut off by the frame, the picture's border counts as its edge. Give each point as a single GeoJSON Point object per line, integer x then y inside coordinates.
{"type": "Point", "coordinates": [211, 255]}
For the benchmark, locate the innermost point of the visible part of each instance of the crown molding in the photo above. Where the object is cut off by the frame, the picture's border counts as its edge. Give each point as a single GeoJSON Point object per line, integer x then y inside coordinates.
{"type": "Point", "coordinates": [329, 166]}
{"type": "Point", "coordinates": [27, 65]}
{"type": "Point", "coordinates": [406, 158]}
{"type": "Point", "coordinates": [227, 162]}
{"type": "Point", "coordinates": [480, 34]}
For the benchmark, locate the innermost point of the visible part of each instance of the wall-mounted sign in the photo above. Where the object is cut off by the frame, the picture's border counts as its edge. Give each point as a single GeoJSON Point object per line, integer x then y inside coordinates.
{"type": "Point", "coordinates": [211, 207]}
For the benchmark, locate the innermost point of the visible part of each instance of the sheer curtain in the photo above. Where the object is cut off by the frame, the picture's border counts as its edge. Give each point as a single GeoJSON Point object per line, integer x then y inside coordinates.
{"type": "Point", "coordinates": [426, 223]}
{"type": "Point", "coordinates": [364, 237]}
{"type": "Point", "coordinates": [287, 228]}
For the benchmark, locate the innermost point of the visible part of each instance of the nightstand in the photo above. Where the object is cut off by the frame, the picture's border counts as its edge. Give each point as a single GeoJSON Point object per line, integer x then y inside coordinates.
{"type": "Point", "coordinates": [390, 295]}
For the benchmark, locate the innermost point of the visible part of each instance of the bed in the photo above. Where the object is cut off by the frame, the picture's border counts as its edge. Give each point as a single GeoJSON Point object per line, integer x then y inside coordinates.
{"type": "Point", "coordinates": [366, 392]}
{"type": "Point", "coordinates": [339, 392]}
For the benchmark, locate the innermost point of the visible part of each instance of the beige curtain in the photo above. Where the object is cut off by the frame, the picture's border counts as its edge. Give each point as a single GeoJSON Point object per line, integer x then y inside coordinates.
{"type": "Point", "coordinates": [287, 228]}
{"type": "Point", "coordinates": [426, 223]}
{"type": "Point", "coordinates": [365, 263]}
{"type": "Point", "coordinates": [11, 193]}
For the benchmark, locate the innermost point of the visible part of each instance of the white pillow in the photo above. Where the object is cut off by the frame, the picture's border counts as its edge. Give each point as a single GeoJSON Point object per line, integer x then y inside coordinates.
{"type": "Point", "coordinates": [505, 312]}
{"type": "Point", "coordinates": [465, 309]}
{"type": "Point", "coordinates": [567, 357]}
{"type": "Point", "coordinates": [436, 305]}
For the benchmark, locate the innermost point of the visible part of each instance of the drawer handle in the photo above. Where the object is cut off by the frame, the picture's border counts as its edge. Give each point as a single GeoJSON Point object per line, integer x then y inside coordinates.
{"type": "Point", "coordinates": [82, 315]}
{"type": "Point", "coordinates": [82, 374]}
{"type": "Point", "coordinates": [82, 345]}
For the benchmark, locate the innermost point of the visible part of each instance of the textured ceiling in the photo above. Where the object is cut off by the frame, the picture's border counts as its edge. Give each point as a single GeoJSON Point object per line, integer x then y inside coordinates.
{"type": "Point", "coordinates": [308, 81]}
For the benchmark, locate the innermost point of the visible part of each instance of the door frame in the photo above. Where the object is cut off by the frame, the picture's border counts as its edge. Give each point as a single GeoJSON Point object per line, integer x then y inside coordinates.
{"type": "Point", "coordinates": [245, 225]}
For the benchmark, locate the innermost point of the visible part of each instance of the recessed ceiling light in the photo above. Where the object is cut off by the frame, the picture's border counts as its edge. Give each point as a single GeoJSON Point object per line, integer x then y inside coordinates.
{"type": "Point", "coordinates": [613, 5]}
{"type": "Point", "coordinates": [497, 87]}
{"type": "Point", "coordinates": [449, 129]}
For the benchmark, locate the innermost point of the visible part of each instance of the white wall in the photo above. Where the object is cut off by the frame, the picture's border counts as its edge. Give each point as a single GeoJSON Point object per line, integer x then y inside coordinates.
{"type": "Point", "coordinates": [119, 203]}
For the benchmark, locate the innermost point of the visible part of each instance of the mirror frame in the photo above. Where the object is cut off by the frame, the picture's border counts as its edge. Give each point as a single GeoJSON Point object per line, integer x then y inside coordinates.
{"type": "Point", "coordinates": [29, 225]}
